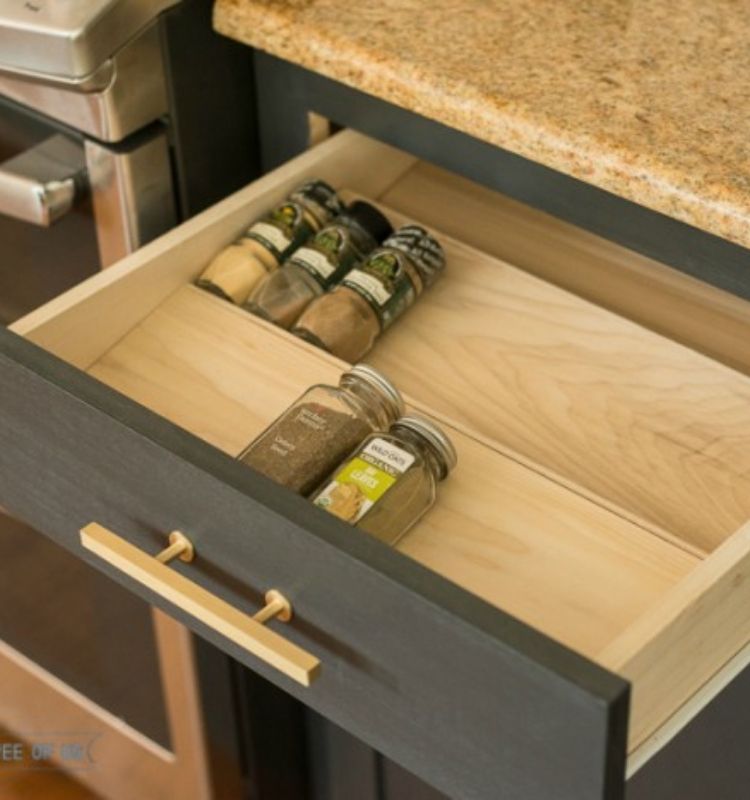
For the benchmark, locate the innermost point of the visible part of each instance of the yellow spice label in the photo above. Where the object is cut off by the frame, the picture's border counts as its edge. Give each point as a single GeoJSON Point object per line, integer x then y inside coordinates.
{"type": "Point", "coordinates": [362, 481]}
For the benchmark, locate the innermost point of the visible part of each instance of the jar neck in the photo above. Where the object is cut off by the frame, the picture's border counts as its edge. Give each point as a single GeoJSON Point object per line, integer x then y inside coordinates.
{"type": "Point", "coordinates": [316, 215]}
{"type": "Point", "coordinates": [432, 460]}
{"type": "Point", "coordinates": [369, 401]}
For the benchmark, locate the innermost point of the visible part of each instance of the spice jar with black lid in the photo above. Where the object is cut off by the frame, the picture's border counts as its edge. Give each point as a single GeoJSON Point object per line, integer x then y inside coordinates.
{"type": "Point", "coordinates": [391, 480]}
{"type": "Point", "coordinates": [347, 320]}
{"type": "Point", "coordinates": [319, 264]}
{"type": "Point", "coordinates": [269, 241]}
{"type": "Point", "coordinates": [304, 445]}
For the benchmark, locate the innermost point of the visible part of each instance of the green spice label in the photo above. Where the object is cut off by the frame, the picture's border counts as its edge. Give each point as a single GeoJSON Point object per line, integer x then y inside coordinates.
{"type": "Point", "coordinates": [315, 262]}
{"type": "Point", "coordinates": [363, 481]}
{"type": "Point", "coordinates": [389, 283]}
{"type": "Point", "coordinates": [331, 254]}
{"type": "Point", "coordinates": [282, 230]}
{"type": "Point", "coordinates": [323, 255]}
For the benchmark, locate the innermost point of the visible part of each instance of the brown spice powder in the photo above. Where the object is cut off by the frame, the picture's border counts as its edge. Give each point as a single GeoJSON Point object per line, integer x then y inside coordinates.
{"type": "Point", "coordinates": [305, 445]}
{"type": "Point", "coordinates": [342, 322]}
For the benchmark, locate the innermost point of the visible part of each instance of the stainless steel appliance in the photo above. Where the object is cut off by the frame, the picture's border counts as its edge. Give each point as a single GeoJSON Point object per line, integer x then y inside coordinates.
{"type": "Point", "coordinates": [83, 142]}
{"type": "Point", "coordinates": [108, 137]}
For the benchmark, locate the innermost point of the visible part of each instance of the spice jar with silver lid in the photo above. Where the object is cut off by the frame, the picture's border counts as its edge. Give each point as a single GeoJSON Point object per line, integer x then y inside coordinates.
{"type": "Point", "coordinates": [269, 241]}
{"type": "Point", "coordinates": [319, 264]}
{"type": "Point", "coordinates": [347, 320]}
{"type": "Point", "coordinates": [391, 480]}
{"type": "Point", "coordinates": [304, 445]}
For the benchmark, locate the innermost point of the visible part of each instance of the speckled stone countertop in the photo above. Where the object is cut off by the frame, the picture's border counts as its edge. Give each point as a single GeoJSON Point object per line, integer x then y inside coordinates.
{"type": "Point", "coordinates": [649, 100]}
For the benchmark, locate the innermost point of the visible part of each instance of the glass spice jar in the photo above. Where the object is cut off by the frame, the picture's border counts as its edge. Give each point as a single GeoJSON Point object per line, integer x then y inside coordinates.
{"type": "Point", "coordinates": [237, 269]}
{"type": "Point", "coordinates": [347, 320]}
{"type": "Point", "coordinates": [322, 427]}
{"type": "Point", "coordinates": [316, 266]}
{"type": "Point", "coordinates": [391, 480]}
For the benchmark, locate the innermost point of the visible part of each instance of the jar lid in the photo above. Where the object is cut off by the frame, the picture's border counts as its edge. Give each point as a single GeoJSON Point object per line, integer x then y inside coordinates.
{"type": "Point", "coordinates": [437, 440]}
{"type": "Point", "coordinates": [377, 381]}
{"type": "Point", "coordinates": [322, 195]}
{"type": "Point", "coordinates": [422, 248]}
{"type": "Point", "coordinates": [371, 219]}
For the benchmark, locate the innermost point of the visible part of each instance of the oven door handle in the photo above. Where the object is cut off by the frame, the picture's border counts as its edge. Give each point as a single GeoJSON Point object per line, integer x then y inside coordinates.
{"type": "Point", "coordinates": [41, 184]}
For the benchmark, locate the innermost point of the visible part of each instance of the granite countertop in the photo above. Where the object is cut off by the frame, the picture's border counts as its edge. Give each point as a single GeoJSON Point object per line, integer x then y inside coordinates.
{"type": "Point", "coordinates": [648, 100]}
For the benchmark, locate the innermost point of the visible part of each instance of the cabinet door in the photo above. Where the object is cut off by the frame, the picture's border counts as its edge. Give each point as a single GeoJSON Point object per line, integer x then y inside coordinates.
{"type": "Point", "coordinates": [92, 673]}
{"type": "Point", "coordinates": [342, 767]}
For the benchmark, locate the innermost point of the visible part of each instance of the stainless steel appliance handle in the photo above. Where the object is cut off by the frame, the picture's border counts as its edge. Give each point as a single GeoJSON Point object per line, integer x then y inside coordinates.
{"type": "Point", "coordinates": [41, 185]}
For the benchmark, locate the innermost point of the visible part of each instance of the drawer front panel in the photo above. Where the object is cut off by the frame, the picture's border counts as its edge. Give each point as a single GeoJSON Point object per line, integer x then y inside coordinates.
{"type": "Point", "coordinates": [461, 694]}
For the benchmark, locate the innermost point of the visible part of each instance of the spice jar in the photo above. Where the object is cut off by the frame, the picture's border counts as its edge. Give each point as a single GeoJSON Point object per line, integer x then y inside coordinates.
{"type": "Point", "coordinates": [315, 434]}
{"type": "Point", "coordinates": [284, 294]}
{"type": "Point", "coordinates": [348, 319]}
{"type": "Point", "coordinates": [391, 479]}
{"type": "Point", "coordinates": [237, 269]}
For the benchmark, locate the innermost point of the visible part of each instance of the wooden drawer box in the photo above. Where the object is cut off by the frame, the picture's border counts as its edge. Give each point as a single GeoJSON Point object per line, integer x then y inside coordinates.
{"type": "Point", "coordinates": [583, 574]}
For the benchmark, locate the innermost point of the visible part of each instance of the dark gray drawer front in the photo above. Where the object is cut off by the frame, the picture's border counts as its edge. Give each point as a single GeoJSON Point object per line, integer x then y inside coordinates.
{"type": "Point", "coordinates": [463, 695]}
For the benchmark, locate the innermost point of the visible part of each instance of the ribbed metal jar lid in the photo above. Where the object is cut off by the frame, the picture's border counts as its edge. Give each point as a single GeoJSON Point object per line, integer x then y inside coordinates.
{"type": "Point", "coordinates": [327, 204]}
{"type": "Point", "coordinates": [377, 381]}
{"type": "Point", "coordinates": [422, 248]}
{"type": "Point", "coordinates": [435, 438]}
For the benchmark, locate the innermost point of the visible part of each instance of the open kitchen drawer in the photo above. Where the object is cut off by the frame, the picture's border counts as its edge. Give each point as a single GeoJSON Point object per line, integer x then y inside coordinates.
{"type": "Point", "coordinates": [587, 558]}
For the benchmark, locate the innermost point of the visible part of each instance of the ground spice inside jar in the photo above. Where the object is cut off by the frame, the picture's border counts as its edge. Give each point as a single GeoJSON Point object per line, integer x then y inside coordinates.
{"type": "Point", "coordinates": [285, 293]}
{"type": "Point", "coordinates": [237, 269]}
{"type": "Point", "coordinates": [348, 319]}
{"type": "Point", "coordinates": [304, 445]}
{"type": "Point", "coordinates": [391, 479]}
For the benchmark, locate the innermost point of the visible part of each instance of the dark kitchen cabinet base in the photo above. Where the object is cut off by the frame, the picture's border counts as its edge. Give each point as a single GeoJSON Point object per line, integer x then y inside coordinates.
{"type": "Point", "coordinates": [707, 760]}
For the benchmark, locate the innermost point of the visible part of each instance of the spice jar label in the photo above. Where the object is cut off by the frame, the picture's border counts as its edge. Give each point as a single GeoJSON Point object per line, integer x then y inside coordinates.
{"type": "Point", "coordinates": [331, 254]}
{"type": "Point", "coordinates": [389, 283]}
{"type": "Point", "coordinates": [314, 262]}
{"type": "Point", "coordinates": [283, 230]}
{"type": "Point", "coordinates": [270, 236]}
{"type": "Point", "coordinates": [364, 480]}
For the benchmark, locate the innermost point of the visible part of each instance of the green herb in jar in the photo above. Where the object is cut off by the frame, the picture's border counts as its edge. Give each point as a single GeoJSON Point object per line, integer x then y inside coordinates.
{"type": "Point", "coordinates": [307, 441]}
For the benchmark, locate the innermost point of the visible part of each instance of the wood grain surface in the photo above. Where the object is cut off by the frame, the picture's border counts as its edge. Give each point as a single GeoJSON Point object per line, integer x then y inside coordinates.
{"type": "Point", "coordinates": [601, 463]}
{"type": "Point", "coordinates": [81, 323]}
{"type": "Point", "coordinates": [646, 291]}
{"type": "Point", "coordinates": [633, 416]}
{"type": "Point", "coordinates": [509, 533]}
{"type": "Point", "coordinates": [689, 634]}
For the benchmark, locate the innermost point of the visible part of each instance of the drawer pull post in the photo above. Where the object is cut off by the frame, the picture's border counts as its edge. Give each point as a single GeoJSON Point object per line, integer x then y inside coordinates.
{"type": "Point", "coordinates": [249, 632]}
{"type": "Point", "coordinates": [179, 547]}
{"type": "Point", "coordinates": [276, 606]}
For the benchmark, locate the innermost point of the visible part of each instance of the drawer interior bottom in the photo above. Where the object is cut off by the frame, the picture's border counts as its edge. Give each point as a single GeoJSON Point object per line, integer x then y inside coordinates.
{"type": "Point", "coordinates": [501, 528]}
{"type": "Point", "coordinates": [659, 430]}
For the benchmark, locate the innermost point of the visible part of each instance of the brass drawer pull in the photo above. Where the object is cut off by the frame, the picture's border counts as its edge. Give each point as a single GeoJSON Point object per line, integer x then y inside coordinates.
{"type": "Point", "coordinates": [246, 631]}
